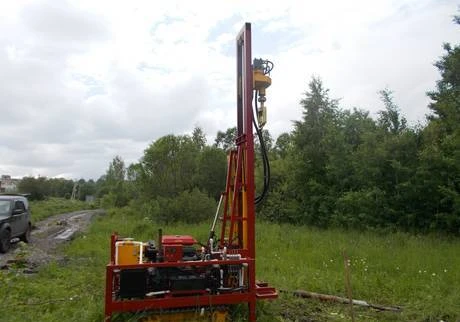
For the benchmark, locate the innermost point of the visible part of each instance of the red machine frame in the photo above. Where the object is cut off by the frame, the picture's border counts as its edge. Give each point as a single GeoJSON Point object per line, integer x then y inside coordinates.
{"type": "Point", "coordinates": [238, 220]}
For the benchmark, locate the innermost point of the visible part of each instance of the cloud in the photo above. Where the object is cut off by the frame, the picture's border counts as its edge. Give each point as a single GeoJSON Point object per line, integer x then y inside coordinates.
{"type": "Point", "coordinates": [63, 24]}
{"type": "Point", "coordinates": [83, 81]}
{"type": "Point", "coordinates": [371, 46]}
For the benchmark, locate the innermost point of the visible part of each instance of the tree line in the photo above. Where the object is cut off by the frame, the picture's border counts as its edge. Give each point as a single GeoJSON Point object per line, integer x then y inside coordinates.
{"type": "Point", "coordinates": [43, 187]}
{"type": "Point", "coordinates": [342, 168]}
{"type": "Point", "coordinates": [336, 167]}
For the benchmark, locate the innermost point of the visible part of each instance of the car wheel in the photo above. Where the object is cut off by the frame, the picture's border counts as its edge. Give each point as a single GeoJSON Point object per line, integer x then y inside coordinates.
{"type": "Point", "coordinates": [26, 237]}
{"type": "Point", "coordinates": [5, 238]}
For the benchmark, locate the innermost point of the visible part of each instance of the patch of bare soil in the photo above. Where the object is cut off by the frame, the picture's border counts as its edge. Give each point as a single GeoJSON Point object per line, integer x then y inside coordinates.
{"type": "Point", "coordinates": [46, 236]}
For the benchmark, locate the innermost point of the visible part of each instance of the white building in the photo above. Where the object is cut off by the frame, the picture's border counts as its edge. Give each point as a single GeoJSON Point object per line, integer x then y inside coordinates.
{"type": "Point", "coordinates": [7, 184]}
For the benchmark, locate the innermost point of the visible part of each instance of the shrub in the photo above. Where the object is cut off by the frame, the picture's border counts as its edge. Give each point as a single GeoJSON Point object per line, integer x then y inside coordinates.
{"type": "Point", "coordinates": [189, 206]}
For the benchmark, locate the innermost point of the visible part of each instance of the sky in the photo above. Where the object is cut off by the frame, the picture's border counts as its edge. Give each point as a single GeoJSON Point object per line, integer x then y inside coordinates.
{"type": "Point", "coordinates": [83, 81]}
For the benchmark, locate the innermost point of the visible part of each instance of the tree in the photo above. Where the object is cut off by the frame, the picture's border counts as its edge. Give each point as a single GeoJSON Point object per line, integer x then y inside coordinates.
{"type": "Point", "coordinates": [42, 187]}
{"type": "Point", "coordinates": [33, 186]}
{"type": "Point", "coordinates": [113, 184]}
{"type": "Point", "coordinates": [283, 145]}
{"type": "Point", "coordinates": [116, 172]}
{"type": "Point", "coordinates": [169, 165]}
{"type": "Point", "coordinates": [268, 141]}
{"type": "Point", "coordinates": [313, 138]}
{"type": "Point", "coordinates": [58, 187]}
{"type": "Point", "coordinates": [226, 140]}
{"type": "Point", "coordinates": [211, 171]}
{"type": "Point", "coordinates": [383, 156]}
{"type": "Point", "coordinates": [438, 176]}
{"type": "Point", "coordinates": [87, 188]}
{"type": "Point", "coordinates": [390, 118]}
{"type": "Point", "coordinates": [188, 206]}
{"type": "Point", "coordinates": [199, 137]}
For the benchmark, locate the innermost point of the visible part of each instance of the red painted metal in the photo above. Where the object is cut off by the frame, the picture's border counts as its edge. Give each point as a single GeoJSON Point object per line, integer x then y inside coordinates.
{"type": "Point", "coordinates": [182, 264]}
{"type": "Point", "coordinates": [244, 169]}
{"type": "Point", "coordinates": [226, 194]}
{"type": "Point", "coordinates": [235, 210]}
{"type": "Point", "coordinates": [191, 299]}
{"type": "Point", "coordinates": [172, 253]}
{"type": "Point", "coordinates": [113, 239]}
{"type": "Point", "coordinates": [241, 161]}
{"type": "Point", "coordinates": [178, 240]}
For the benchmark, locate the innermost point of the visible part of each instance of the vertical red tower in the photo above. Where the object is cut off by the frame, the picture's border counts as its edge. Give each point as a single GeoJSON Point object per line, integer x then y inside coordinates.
{"type": "Point", "coordinates": [238, 224]}
{"type": "Point", "coordinates": [132, 287]}
{"type": "Point", "coordinates": [245, 142]}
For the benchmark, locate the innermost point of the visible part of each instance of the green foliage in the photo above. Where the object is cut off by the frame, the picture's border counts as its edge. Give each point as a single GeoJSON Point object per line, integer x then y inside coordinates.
{"type": "Point", "coordinates": [32, 186]}
{"type": "Point", "coordinates": [168, 165]}
{"type": "Point", "coordinates": [314, 136]}
{"type": "Point", "coordinates": [283, 145]}
{"type": "Point", "coordinates": [199, 138]}
{"type": "Point", "coordinates": [415, 272]}
{"type": "Point", "coordinates": [358, 209]}
{"type": "Point", "coordinates": [42, 187]}
{"type": "Point", "coordinates": [112, 186]}
{"type": "Point", "coordinates": [52, 206]}
{"type": "Point", "coordinates": [226, 140]}
{"type": "Point", "coordinates": [342, 168]}
{"type": "Point", "coordinates": [438, 174]}
{"type": "Point", "coordinates": [211, 171]}
{"type": "Point", "coordinates": [108, 200]}
{"type": "Point", "coordinates": [281, 203]}
{"type": "Point", "coordinates": [87, 188]}
{"type": "Point", "coordinates": [189, 207]}
{"type": "Point", "coordinates": [177, 179]}
{"type": "Point", "coordinates": [389, 118]}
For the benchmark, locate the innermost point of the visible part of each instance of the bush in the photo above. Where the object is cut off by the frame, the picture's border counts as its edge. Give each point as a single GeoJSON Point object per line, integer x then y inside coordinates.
{"type": "Point", "coordinates": [108, 201]}
{"type": "Point", "coordinates": [189, 206]}
{"type": "Point", "coordinates": [360, 209]}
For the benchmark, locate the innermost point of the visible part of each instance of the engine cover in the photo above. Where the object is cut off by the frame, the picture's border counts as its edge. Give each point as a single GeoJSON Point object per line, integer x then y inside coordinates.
{"type": "Point", "coordinates": [175, 247]}
{"type": "Point", "coordinates": [178, 240]}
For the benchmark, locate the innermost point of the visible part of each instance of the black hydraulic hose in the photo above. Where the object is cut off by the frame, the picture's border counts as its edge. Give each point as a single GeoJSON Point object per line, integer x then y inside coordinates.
{"type": "Point", "coordinates": [266, 164]}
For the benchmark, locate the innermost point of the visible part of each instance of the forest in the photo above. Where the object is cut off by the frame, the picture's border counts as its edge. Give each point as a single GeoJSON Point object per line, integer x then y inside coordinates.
{"type": "Point", "coordinates": [337, 167]}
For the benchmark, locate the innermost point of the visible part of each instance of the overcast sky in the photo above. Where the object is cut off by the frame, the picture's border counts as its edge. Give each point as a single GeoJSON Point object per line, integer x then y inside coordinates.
{"type": "Point", "coordinates": [83, 81]}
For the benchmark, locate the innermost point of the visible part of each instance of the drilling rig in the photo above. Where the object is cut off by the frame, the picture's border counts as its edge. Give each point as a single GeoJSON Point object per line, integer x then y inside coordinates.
{"type": "Point", "coordinates": [178, 279]}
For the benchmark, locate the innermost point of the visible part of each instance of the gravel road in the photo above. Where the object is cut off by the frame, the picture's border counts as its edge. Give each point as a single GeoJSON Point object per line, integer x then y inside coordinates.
{"type": "Point", "coordinates": [46, 236]}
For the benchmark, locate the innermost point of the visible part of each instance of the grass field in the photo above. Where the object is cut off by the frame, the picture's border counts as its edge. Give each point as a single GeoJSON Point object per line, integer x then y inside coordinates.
{"type": "Point", "coordinates": [53, 206]}
{"type": "Point", "coordinates": [419, 273]}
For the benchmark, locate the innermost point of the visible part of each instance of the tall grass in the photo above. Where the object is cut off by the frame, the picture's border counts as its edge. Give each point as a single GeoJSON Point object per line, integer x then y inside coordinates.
{"type": "Point", "coordinates": [419, 273]}
{"type": "Point", "coordinates": [53, 206]}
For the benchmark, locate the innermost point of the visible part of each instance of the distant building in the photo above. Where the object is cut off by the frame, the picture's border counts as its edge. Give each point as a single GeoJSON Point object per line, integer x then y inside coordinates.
{"type": "Point", "coordinates": [89, 198]}
{"type": "Point", "coordinates": [8, 184]}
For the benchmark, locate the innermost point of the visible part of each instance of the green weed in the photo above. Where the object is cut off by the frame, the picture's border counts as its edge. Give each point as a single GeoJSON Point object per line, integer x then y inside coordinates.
{"type": "Point", "coordinates": [53, 206]}
{"type": "Point", "coordinates": [419, 273]}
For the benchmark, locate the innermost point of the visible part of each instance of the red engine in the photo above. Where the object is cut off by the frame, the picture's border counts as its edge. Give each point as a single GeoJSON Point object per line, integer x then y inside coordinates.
{"type": "Point", "coordinates": [178, 247]}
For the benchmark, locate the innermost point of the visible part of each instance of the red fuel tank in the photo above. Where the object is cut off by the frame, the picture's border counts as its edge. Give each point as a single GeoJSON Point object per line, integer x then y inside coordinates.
{"type": "Point", "coordinates": [178, 240]}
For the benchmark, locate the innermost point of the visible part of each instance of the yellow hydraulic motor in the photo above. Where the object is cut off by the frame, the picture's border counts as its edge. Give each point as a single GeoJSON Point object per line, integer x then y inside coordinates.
{"type": "Point", "coordinates": [261, 81]}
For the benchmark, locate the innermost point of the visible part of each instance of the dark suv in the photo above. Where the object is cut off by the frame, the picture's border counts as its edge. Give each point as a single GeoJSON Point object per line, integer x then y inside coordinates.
{"type": "Point", "coordinates": [14, 220]}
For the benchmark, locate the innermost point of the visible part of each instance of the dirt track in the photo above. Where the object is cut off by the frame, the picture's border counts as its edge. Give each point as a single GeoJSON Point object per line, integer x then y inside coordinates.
{"type": "Point", "coordinates": [46, 236]}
